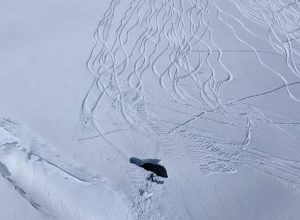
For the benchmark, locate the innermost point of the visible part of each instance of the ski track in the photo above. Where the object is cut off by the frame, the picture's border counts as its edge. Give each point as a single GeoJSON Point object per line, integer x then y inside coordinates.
{"type": "Point", "coordinates": [159, 40]}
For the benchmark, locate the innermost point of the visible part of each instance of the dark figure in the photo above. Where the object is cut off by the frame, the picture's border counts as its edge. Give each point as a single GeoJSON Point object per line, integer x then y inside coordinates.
{"type": "Point", "coordinates": [150, 165]}
{"type": "Point", "coordinates": [156, 168]}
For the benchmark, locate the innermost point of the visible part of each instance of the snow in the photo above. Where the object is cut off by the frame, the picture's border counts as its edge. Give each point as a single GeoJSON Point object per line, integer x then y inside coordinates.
{"type": "Point", "coordinates": [209, 88]}
{"type": "Point", "coordinates": [55, 191]}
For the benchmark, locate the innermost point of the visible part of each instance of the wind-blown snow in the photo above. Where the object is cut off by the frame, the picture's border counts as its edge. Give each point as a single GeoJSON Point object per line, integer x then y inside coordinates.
{"type": "Point", "coordinates": [210, 88]}
{"type": "Point", "coordinates": [54, 190]}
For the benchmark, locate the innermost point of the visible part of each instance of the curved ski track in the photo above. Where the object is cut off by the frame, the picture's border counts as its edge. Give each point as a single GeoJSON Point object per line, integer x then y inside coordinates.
{"type": "Point", "coordinates": [173, 44]}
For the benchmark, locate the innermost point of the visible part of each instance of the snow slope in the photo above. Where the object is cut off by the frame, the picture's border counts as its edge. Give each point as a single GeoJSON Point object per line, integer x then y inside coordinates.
{"type": "Point", "coordinates": [54, 189]}
{"type": "Point", "coordinates": [209, 87]}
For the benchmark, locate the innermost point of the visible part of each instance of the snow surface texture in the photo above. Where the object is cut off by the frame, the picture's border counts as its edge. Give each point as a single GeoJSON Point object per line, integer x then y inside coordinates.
{"type": "Point", "coordinates": [49, 185]}
{"type": "Point", "coordinates": [209, 88]}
